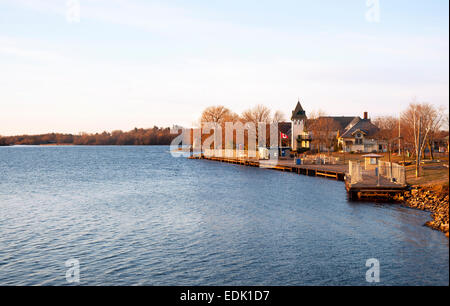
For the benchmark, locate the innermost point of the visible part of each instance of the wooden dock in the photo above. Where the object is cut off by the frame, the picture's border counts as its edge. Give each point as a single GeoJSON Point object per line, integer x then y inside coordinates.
{"type": "Point", "coordinates": [371, 188]}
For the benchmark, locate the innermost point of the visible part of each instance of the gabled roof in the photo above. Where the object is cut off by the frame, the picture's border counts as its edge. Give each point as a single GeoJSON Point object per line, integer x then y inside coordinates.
{"type": "Point", "coordinates": [365, 125]}
{"type": "Point", "coordinates": [298, 113]}
{"type": "Point", "coordinates": [352, 123]}
{"type": "Point", "coordinates": [359, 131]}
{"type": "Point", "coordinates": [344, 122]}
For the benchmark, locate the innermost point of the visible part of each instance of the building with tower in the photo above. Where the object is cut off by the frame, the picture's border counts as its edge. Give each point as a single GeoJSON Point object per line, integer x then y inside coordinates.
{"type": "Point", "coordinates": [300, 138]}
{"type": "Point", "coordinates": [349, 134]}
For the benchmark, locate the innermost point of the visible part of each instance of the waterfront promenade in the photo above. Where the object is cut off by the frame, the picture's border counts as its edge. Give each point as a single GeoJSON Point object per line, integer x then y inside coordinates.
{"type": "Point", "coordinates": [370, 186]}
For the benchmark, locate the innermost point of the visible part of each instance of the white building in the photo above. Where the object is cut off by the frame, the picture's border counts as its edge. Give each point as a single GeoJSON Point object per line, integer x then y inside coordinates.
{"type": "Point", "coordinates": [300, 140]}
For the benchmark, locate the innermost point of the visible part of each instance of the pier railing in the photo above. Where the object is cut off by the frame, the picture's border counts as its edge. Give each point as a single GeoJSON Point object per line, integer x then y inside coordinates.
{"type": "Point", "coordinates": [251, 154]}
{"type": "Point", "coordinates": [392, 171]}
{"type": "Point", "coordinates": [355, 172]}
{"type": "Point", "coordinates": [321, 160]}
{"type": "Point", "coordinates": [230, 153]}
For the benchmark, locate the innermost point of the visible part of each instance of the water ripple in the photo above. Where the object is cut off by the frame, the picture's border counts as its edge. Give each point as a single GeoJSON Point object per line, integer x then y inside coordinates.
{"type": "Point", "coordinates": [137, 216]}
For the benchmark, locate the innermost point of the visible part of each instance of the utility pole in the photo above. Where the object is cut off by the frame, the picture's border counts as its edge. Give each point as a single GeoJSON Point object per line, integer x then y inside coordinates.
{"type": "Point", "coordinates": [419, 146]}
{"type": "Point", "coordinates": [390, 161]}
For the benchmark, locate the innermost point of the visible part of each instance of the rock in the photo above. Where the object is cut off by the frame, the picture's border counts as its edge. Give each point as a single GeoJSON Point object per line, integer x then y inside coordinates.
{"type": "Point", "coordinates": [432, 201]}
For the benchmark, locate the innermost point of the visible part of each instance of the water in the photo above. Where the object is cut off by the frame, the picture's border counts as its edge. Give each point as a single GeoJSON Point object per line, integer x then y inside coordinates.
{"type": "Point", "coordinates": [137, 216]}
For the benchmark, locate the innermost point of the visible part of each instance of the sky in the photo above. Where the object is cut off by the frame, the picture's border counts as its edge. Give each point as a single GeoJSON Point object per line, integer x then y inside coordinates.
{"type": "Point", "coordinates": [121, 64]}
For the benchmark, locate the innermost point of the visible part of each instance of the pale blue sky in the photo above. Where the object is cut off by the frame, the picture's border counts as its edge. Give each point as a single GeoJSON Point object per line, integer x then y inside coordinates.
{"type": "Point", "coordinates": [141, 63]}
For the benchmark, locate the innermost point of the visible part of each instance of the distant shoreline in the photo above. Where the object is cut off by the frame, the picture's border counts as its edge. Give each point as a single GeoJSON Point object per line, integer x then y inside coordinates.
{"type": "Point", "coordinates": [135, 137]}
{"type": "Point", "coordinates": [82, 145]}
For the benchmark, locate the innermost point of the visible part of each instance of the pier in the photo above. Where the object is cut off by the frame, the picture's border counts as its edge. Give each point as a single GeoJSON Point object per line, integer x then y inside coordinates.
{"type": "Point", "coordinates": [370, 187]}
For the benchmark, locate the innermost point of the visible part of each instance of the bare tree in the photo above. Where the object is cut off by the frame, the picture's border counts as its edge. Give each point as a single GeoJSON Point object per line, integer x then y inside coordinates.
{"type": "Point", "coordinates": [217, 114]}
{"type": "Point", "coordinates": [387, 131]}
{"type": "Point", "coordinates": [388, 128]}
{"type": "Point", "coordinates": [446, 127]}
{"type": "Point", "coordinates": [435, 129]}
{"type": "Point", "coordinates": [316, 114]}
{"type": "Point", "coordinates": [323, 129]}
{"type": "Point", "coordinates": [257, 114]}
{"type": "Point", "coordinates": [446, 122]}
{"type": "Point", "coordinates": [278, 117]}
{"type": "Point", "coordinates": [420, 120]}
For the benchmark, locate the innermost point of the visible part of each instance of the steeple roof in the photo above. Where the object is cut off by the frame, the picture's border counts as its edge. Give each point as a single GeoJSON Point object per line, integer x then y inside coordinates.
{"type": "Point", "coordinates": [298, 113]}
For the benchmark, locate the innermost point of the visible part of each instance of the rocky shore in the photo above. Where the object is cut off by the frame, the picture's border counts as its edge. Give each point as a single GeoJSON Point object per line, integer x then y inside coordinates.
{"type": "Point", "coordinates": [434, 199]}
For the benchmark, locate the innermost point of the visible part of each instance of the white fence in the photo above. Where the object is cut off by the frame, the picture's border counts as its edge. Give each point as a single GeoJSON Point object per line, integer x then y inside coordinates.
{"type": "Point", "coordinates": [229, 153]}
{"type": "Point", "coordinates": [355, 171]}
{"type": "Point", "coordinates": [392, 171]}
{"type": "Point", "coordinates": [320, 160]}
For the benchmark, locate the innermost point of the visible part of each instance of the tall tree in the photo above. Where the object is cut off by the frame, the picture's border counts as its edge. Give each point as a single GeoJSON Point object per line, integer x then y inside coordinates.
{"type": "Point", "coordinates": [435, 129]}
{"type": "Point", "coordinates": [256, 115]}
{"type": "Point", "coordinates": [278, 117]}
{"type": "Point", "coordinates": [216, 117]}
{"type": "Point", "coordinates": [420, 119]}
{"type": "Point", "coordinates": [388, 128]}
{"type": "Point", "coordinates": [323, 130]}
{"type": "Point", "coordinates": [387, 131]}
{"type": "Point", "coordinates": [217, 114]}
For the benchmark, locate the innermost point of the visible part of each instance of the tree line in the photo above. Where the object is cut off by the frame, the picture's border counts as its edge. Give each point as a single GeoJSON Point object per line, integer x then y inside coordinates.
{"type": "Point", "coordinates": [152, 136]}
{"type": "Point", "coordinates": [415, 129]}
{"type": "Point", "coordinates": [220, 115]}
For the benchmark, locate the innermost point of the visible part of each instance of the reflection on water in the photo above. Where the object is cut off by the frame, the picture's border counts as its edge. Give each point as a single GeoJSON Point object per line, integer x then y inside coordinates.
{"type": "Point", "coordinates": [137, 216]}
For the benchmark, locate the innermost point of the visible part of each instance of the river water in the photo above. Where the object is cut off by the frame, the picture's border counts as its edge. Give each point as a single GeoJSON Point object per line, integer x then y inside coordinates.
{"type": "Point", "coordinates": [138, 216]}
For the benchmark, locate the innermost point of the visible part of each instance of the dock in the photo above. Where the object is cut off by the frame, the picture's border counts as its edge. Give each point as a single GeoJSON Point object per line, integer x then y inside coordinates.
{"type": "Point", "coordinates": [373, 187]}
{"type": "Point", "coordinates": [370, 188]}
